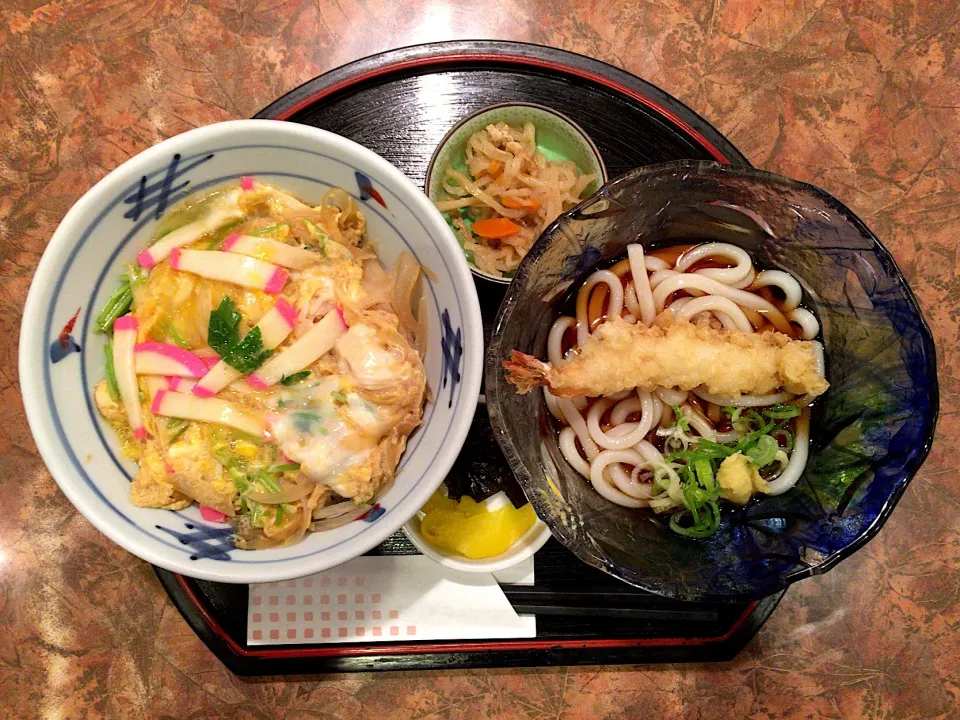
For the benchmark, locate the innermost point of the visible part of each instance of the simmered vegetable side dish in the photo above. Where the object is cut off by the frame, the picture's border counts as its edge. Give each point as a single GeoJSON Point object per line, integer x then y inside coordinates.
{"type": "Point", "coordinates": [507, 196]}
{"type": "Point", "coordinates": [263, 364]}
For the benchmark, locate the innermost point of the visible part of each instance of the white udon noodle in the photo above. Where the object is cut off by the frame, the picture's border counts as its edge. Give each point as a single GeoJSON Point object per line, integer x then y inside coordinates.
{"type": "Point", "coordinates": [601, 442]}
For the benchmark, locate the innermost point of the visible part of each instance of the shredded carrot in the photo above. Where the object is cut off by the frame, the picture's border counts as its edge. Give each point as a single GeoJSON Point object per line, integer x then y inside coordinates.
{"type": "Point", "coordinates": [531, 204]}
{"type": "Point", "coordinates": [496, 228]}
{"type": "Point", "coordinates": [493, 169]}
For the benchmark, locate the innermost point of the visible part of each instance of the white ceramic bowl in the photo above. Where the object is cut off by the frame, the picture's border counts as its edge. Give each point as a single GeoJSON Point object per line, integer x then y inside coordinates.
{"type": "Point", "coordinates": [112, 223]}
{"type": "Point", "coordinates": [531, 541]}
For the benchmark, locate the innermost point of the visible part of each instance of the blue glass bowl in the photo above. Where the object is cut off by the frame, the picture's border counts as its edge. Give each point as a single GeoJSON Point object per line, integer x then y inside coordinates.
{"type": "Point", "coordinates": [876, 423]}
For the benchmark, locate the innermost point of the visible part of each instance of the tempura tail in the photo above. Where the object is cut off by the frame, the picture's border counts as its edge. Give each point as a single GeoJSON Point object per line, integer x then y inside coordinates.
{"type": "Point", "coordinates": [526, 372]}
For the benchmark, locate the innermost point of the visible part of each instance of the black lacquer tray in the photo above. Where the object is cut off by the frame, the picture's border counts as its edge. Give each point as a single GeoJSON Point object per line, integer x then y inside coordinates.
{"type": "Point", "coordinates": [400, 104]}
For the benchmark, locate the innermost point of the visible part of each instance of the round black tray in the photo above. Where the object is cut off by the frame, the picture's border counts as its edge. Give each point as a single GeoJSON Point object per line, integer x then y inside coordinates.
{"type": "Point", "coordinates": [400, 104]}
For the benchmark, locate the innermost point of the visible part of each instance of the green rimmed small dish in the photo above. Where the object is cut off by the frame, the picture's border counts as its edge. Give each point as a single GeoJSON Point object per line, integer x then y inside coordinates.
{"type": "Point", "coordinates": [559, 139]}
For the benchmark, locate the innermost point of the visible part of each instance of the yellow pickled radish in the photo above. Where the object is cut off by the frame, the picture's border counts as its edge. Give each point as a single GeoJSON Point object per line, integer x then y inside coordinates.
{"type": "Point", "coordinates": [439, 501]}
{"type": "Point", "coordinates": [468, 528]}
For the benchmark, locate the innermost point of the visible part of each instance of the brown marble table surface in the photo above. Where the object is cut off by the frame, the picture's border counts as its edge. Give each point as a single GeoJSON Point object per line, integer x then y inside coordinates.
{"type": "Point", "coordinates": [860, 97]}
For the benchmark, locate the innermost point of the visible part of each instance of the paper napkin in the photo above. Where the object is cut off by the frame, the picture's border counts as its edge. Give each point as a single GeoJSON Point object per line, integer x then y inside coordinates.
{"type": "Point", "coordinates": [387, 599]}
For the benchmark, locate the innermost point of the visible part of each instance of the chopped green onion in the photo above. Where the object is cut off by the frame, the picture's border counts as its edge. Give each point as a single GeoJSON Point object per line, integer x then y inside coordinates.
{"type": "Point", "coordinates": [787, 432]}
{"type": "Point", "coordinates": [316, 231]}
{"type": "Point", "coordinates": [700, 528]}
{"type": "Point", "coordinates": [748, 441]}
{"type": "Point", "coordinates": [288, 467]}
{"type": "Point", "coordinates": [763, 453]}
{"type": "Point", "coordinates": [339, 397]}
{"type": "Point", "coordinates": [662, 482]}
{"type": "Point", "coordinates": [693, 498]}
{"type": "Point", "coordinates": [247, 437]}
{"type": "Point", "coordinates": [756, 418]}
{"type": "Point", "coordinates": [241, 482]}
{"type": "Point", "coordinates": [111, 373]}
{"type": "Point", "coordinates": [136, 276]}
{"type": "Point", "coordinates": [220, 234]}
{"type": "Point", "coordinates": [224, 457]}
{"type": "Point", "coordinates": [782, 412]}
{"type": "Point", "coordinates": [117, 304]}
{"type": "Point", "coordinates": [172, 334]}
{"type": "Point", "coordinates": [704, 471]}
{"type": "Point", "coordinates": [178, 433]}
{"type": "Point", "coordinates": [278, 518]}
{"type": "Point", "coordinates": [174, 422]}
{"type": "Point", "coordinates": [266, 479]}
{"type": "Point", "coordinates": [256, 513]}
{"type": "Point", "coordinates": [295, 377]}
{"type": "Point", "coordinates": [272, 228]}
{"type": "Point", "coordinates": [681, 420]}
{"type": "Point", "coordinates": [716, 448]}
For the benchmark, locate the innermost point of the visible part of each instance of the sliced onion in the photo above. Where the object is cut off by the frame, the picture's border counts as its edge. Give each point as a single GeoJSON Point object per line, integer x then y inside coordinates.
{"type": "Point", "coordinates": [334, 510]}
{"type": "Point", "coordinates": [727, 437]}
{"type": "Point", "coordinates": [287, 495]}
{"type": "Point", "coordinates": [405, 279]}
{"type": "Point", "coordinates": [341, 520]}
{"type": "Point", "coordinates": [421, 339]}
{"type": "Point", "coordinates": [263, 543]}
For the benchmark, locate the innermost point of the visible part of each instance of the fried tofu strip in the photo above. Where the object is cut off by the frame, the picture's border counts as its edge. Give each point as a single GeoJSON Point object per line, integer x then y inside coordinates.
{"type": "Point", "coordinates": [729, 362]}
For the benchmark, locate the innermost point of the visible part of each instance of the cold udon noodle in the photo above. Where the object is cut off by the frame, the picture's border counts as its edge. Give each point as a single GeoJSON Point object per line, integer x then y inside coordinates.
{"type": "Point", "coordinates": [631, 445]}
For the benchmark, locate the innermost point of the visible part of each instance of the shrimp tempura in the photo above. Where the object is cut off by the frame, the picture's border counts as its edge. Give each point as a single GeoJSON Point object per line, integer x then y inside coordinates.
{"type": "Point", "coordinates": [728, 362]}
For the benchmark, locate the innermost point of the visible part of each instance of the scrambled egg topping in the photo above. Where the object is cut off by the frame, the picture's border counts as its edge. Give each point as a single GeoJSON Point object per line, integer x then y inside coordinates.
{"type": "Point", "coordinates": [342, 427]}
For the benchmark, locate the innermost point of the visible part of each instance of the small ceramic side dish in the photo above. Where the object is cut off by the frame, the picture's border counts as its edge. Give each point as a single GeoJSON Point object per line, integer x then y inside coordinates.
{"type": "Point", "coordinates": [558, 138]}
{"type": "Point", "coordinates": [528, 543]}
